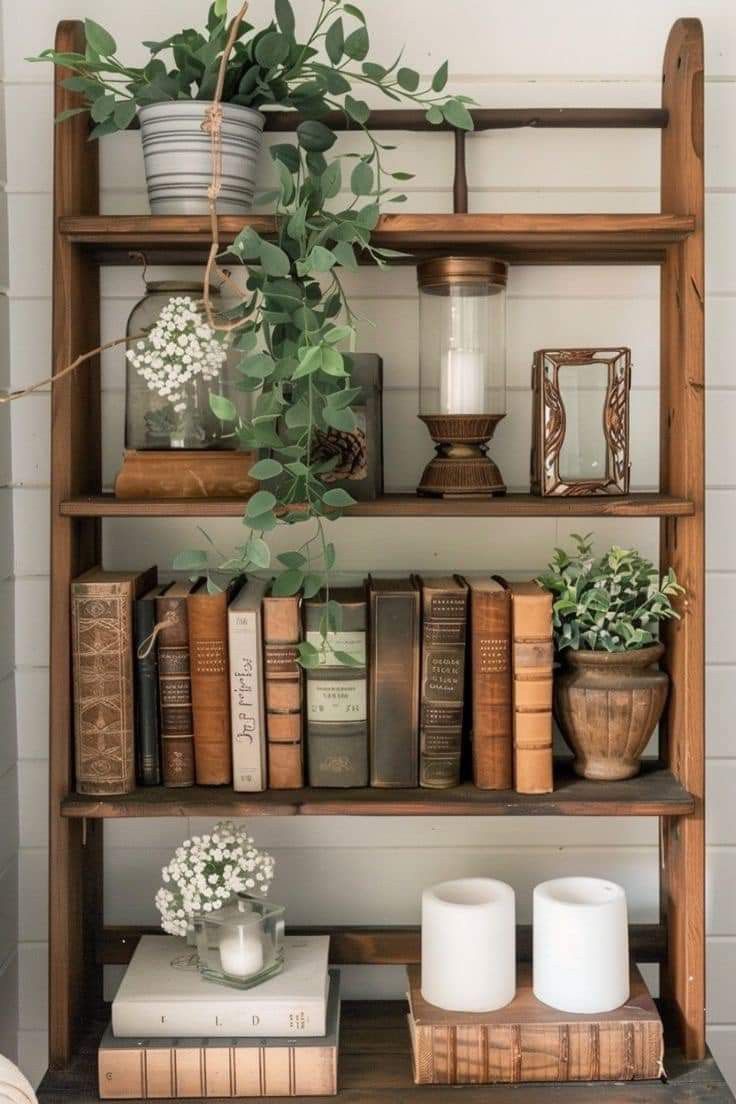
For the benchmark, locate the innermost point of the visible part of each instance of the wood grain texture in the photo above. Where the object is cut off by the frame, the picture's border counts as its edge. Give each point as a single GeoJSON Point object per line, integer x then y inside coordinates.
{"type": "Point", "coordinates": [402, 505]}
{"type": "Point", "coordinates": [654, 792]}
{"type": "Point", "coordinates": [75, 870]}
{"type": "Point", "coordinates": [682, 463]}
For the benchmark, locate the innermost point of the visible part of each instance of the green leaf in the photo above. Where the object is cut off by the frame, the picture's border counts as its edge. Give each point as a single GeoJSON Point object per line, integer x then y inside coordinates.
{"type": "Point", "coordinates": [312, 585]}
{"type": "Point", "coordinates": [297, 415]}
{"type": "Point", "coordinates": [310, 362]}
{"type": "Point", "coordinates": [457, 115]}
{"type": "Point", "coordinates": [70, 113]}
{"type": "Point", "coordinates": [308, 655]}
{"type": "Point", "coordinates": [321, 259]}
{"type": "Point", "coordinates": [368, 216]}
{"type": "Point", "coordinates": [374, 71]}
{"type": "Point", "coordinates": [439, 80]}
{"type": "Point", "coordinates": [355, 12]}
{"type": "Point", "coordinates": [285, 17]}
{"type": "Point", "coordinates": [292, 559]}
{"type": "Point", "coordinates": [272, 49]}
{"type": "Point", "coordinates": [103, 128]}
{"type": "Point", "coordinates": [337, 334]}
{"type": "Point", "coordinates": [357, 110]}
{"type": "Point", "coordinates": [332, 362]}
{"type": "Point", "coordinates": [193, 559]}
{"type": "Point", "coordinates": [222, 408]}
{"type": "Point", "coordinates": [345, 255]}
{"type": "Point", "coordinates": [99, 39]}
{"type": "Point", "coordinates": [338, 399]}
{"type": "Point", "coordinates": [357, 44]}
{"type": "Point", "coordinates": [336, 496]}
{"type": "Point", "coordinates": [315, 136]}
{"type": "Point", "coordinates": [434, 115]}
{"type": "Point", "coordinates": [262, 522]}
{"type": "Point", "coordinates": [275, 262]}
{"type": "Point", "coordinates": [124, 113]}
{"type": "Point", "coordinates": [260, 503]}
{"type": "Point", "coordinates": [347, 660]}
{"type": "Point", "coordinates": [258, 552]}
{"type": "Point", "coordinates": [331, 180]}
{"type": "Point", "coordinates": [287, 154]}
{"type": "Point", "coordinates": [220, 7]}
{"type": "Point", "coordinates": [290, 582]}
{"type": "Point", "coordinates": [339, 419]}
{"type": "Point", "coordinates": [334, 40]}
{"type": "Point", "coordinates": [266, 469]}
{"type": "Point", "coordinates": [408, 79]}
{"type": "Point", "coordinates": [361, 179]}
{"type": "Point", "coordinates": [103, 108]}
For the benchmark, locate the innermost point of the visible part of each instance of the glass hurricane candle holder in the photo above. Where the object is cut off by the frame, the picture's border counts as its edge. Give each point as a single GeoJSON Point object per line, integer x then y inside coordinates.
{"type": "Point", "coordinates": [462, 325]}
{"type": "Point", "coordinates": [242, 943]}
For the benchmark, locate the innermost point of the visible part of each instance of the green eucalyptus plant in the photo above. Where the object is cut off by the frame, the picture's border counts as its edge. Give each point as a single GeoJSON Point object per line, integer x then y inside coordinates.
{"type": "Point", "coordinates": [612, 603]}
{"type": "Point", "coordinates": [294, 323]}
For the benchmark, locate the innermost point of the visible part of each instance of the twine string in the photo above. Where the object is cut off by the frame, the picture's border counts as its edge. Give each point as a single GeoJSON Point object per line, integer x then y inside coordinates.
{"type": "Point", "coordinates": [169, 619]}
{"type": "Point", "coordinates": [19, 394]}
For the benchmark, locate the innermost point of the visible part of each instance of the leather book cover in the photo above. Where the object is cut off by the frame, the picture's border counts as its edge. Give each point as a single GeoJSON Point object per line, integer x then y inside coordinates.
{"type": "Point", "coordinates": [532, 660]}
{"type": "Point", "coordinates": [492, 733]}
{"type": "Point", "coordinates": [337, 713]}
{"type": "Point", "coordinates": [210, 669]}
{"type": "Point", "coordinates": [247, 695]}
{"type": "Point", "coordinates": [444, 626]}
{"type": "Point", "coordinates": [175, 686]}
{"type": "Point", "coordinates": [393, 681]}
{"type": "Point", "coordinates": [103, 678]}
{"type": "Point", "coordinates": [177, 1068]}
{"type": "Point", "coordinates": [528, 1041]}
{"type": "Point", "coordinates": [282, 633]}
{"type": "Point", "coordinates": [147, 721]}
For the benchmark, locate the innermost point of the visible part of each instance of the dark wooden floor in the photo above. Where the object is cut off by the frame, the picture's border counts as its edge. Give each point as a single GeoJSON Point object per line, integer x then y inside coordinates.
{"type": "Point", "coordinates": [375, 1068]}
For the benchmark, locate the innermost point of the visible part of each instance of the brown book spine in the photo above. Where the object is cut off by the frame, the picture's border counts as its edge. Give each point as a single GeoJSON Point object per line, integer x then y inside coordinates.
{"type": "Point", "coordinates": [102, 662]}
{"type": "Point", "coordinates": [175, 691]}
{"type": "Point", "coordinates": [444, 608]}
{"type": "Point", "coordinates": [282, 633]}
{"type": "Point", "coordinates": [532, 659]}
{"type": "Point", "coordinates": [208, 651]}
{"type": "Point", "coordinates": [490, 654]}
{"type": "Point", "coordinates": [393, 682]}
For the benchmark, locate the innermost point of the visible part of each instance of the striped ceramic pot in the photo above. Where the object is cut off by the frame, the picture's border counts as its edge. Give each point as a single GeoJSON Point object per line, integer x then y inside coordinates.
{"type": "Point", "coordinates": [177, 155]}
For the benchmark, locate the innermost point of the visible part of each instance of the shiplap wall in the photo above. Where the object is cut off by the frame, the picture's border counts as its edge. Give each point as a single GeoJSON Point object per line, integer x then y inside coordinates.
{"type": "Point", "coordinates": [523, 53]}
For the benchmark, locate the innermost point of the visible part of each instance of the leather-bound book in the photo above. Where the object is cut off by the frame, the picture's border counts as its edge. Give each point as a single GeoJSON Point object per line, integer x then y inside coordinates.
{"type": "Point", "coordinates": [490, 678]}
{"type": "Point", "coordinates": [247, 706]}
{"type": "Point", "coordinates": [532, 657]}
{"type": "Point", "coordinates": [282, 633]}
{"type": "Point", "coordinates": [175, 686]}
{"type": "Point", "coordinates": [444, 625]}
{"type": "Point", "coordinates": [393, 681]}
{"type": "Point", "coordinates": [103, 690]}
{"type": "Point", "coordinates": [337, 717]}
{"type": "Point", "coordinates": [213, 752]}
{"type": "Point", "coordinates": [147, 720]}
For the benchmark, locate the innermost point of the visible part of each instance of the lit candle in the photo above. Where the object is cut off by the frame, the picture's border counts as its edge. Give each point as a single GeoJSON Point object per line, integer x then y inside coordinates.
{"type": "Point", "coordinates": [469, 945]}
{"type": "Point", "coordinates": [581, 945]}
{"type": "Point", "coordinates": [241, 946]}
{"type": "Point", "coordinates": [462, 382]}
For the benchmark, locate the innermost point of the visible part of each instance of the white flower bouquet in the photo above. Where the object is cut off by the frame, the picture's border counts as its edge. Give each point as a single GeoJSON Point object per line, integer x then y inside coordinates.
{"type": "Point", "coordinates": [206, 871]}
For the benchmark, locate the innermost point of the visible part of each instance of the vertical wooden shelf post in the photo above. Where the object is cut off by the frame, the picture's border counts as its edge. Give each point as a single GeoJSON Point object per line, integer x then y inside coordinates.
{"type": "Point", "coordinates": [682, 436]}
{"type": "Point", "coordinates": [75, 850]}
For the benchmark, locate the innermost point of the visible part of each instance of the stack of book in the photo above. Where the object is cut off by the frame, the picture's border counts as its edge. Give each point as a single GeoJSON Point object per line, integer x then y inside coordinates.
{"type": "Point", "coordinates": [174, 1034]}
{"type": "Point", "coordinates": [177, 685]}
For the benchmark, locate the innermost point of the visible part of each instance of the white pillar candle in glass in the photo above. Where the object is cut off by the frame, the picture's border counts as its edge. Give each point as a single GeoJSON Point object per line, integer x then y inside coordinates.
{"type": "Point", "coordinates": [241, 945]}
{"type": "Point", "coordinates": [469, 945]}
{"type": "Point", "coordinates": [462, 382]}
{"type": "Point", "coordinates": [581, 945]}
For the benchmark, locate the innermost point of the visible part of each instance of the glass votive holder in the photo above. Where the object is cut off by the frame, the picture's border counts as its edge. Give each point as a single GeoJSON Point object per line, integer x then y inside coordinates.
{"type": "Point", "coordinates": [241, 944]}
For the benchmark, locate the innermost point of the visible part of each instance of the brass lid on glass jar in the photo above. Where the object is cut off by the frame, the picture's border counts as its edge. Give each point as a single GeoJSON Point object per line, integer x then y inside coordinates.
{"type": "Point", "coordinates": [437, 275]}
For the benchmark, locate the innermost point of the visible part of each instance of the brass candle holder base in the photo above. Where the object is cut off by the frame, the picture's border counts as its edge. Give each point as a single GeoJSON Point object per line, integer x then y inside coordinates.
{"type": "Point", "coordinates": [461, 466]}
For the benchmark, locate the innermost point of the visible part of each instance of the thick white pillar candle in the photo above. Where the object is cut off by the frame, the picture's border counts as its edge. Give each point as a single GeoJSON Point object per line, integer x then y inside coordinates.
{"type": "Point", "coordinates": [241, 950]}
{"type": "Point", "coordinates": [462, 382]}
{"type": "Point", "coordinates": [469, 945]}
{"type": "Point", "coordinates": [581, 945]}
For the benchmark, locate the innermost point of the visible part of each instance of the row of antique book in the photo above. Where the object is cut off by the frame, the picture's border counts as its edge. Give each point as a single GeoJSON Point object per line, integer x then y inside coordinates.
{"type": "Point", "coordinates": [177, 684]}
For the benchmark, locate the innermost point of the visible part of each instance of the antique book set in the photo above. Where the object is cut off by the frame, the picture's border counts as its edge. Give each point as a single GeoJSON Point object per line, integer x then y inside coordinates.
{"type": "Point", "coordinates": [374, 1045]}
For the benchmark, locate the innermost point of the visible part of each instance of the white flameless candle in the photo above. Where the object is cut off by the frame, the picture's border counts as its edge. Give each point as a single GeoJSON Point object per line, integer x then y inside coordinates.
{"type": "Point", "coordinates": [462, 382]}
{"type": "Point", "coordinates": [241, 946]}
{"type": "Point", "coordinates": [469, 945]}
{"type": "Point", "coordinates": [581, 945]}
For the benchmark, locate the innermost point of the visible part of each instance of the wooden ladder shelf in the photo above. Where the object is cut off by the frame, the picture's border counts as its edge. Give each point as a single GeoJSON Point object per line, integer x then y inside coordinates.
{"type": "Point", "coordinates": [375, 1063]}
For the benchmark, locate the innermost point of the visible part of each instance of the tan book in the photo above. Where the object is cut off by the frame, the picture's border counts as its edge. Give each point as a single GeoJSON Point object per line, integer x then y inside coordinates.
{"type": "Point", "coordinates": [491, 691]}
{"type": "Point", "coordinates": [282, 634]}
{"type": "Point", "coordinates": [208, 651]}
{"type": "Point", "coordinates": [175, 685]}
{"type": "Point", "coordinates": [532, 659]}
{"type": "Point", "coordinates": [167, 1069]}
{"type": "Point", "coordinates": [528, 1041]}
{"type": "Point", "coordinates": [444, 625]}
{"type": "Point", "coordinates": [102, 665]}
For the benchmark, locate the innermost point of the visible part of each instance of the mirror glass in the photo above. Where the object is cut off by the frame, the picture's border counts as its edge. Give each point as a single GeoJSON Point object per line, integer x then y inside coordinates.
{"type": "Point", "coordinates": [583, 393]}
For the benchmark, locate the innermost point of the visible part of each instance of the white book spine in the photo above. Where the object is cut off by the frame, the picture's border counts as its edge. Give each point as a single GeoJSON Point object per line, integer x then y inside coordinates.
{"type": "Point", "coordinates": [158, 1019]}
{"type": "Point", "coordinates": [247, 700]}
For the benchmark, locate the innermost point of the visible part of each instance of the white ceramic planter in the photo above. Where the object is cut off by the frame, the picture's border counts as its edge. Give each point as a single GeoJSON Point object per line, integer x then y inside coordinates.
{"type": "Point", "coordinates": [177, 155]}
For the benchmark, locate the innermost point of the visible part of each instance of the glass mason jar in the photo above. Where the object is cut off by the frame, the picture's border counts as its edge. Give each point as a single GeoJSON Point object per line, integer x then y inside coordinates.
{"type": "Point", "coordinates": [241, 944]}
{"type": "Point", "coordinates": [172, 368]}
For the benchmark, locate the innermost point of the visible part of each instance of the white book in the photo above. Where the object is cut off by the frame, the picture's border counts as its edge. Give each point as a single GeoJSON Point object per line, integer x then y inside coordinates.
{"type": "Point", "coordinates": [247, 694]}
{"type": "Point", "coordinates": [163, 994]}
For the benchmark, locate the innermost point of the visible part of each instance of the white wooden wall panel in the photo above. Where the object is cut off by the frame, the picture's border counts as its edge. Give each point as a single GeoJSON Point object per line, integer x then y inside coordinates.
{"type": "Point", "coordinates": [505, 54]}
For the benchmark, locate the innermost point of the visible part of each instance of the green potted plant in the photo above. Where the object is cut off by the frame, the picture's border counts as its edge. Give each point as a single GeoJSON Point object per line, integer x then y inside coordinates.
{"type": "Point", "coordinates": [610, 694]}
{"type": "Point", "coordinates": [267, 67]}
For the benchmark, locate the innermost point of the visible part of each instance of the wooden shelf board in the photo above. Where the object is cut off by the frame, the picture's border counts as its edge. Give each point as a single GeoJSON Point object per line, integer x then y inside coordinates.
{"type": "Point", "coordinates": [543, 238]}
{"type": "Point", "coordinates": [375, 1068]}
{"type": "Point", "coordinates": [401, 505]}
{"type": "Point", "coordinates": [654, 792]}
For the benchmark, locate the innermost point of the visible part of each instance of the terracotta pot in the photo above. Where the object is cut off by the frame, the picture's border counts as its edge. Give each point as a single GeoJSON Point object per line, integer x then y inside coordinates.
{"type": "Point", "coordinates": [607, 705]}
